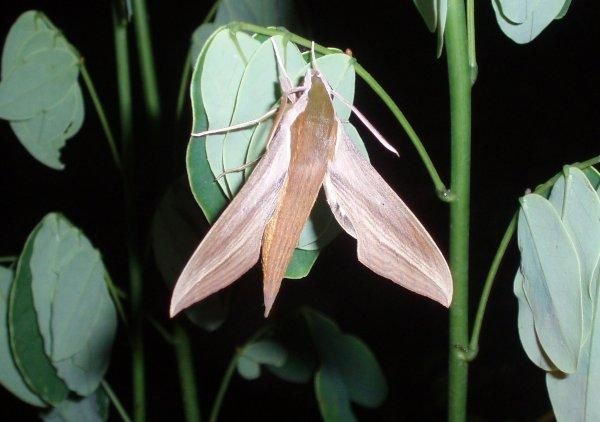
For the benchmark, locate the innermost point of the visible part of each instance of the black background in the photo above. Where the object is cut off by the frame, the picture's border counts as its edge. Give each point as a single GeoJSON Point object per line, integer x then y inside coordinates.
{"type": "Point", "coordinates": [535, 108]}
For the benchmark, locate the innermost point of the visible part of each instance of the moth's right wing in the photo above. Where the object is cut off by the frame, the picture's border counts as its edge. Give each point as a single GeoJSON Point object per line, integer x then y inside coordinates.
{"type": "Point", "coordinates": [391, 240]}
{"type": "Point", "coordinates": [232, 246]}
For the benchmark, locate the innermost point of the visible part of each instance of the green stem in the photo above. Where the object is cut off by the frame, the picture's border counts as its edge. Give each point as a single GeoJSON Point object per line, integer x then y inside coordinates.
{"type": "Point", "coordinates": [146, 61]}
{"type": "Point", "coordinates": [187, 374]}
{"type": "Point", "coordinates": [8, 259]}
{"type": "Point", "coordinates": [542, 189]}
{"type": "Point", "coordinates": [487, 288]}
{"type": "Point", "coordinates": [101, 115]}
{"type": "Point", "coordinates": [214, 413]}
{"type": "Point", "coordinates": [183, 85]}
{"type": "Point", "coordinates": [471, 34]}
{"type": "Point", "coordinates": [460, 117]}
{"type": "Point", "coordinates": [135, 269]}
{"type": "Point", "coordinates": [115, 401]}
{"type": "Point", "coordinates": [374, 85]}
{"type": "Point", "coordinates": [412, 135]}
{"type": "Point", "coordinates": [212, 12]}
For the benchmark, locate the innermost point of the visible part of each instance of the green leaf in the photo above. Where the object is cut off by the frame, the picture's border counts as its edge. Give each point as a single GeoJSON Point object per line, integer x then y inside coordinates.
{"type": "Point", "coordinates": [262, 352]}
{"type": "Point", "coordinates": [176, 227]}
{"type": "Point", "coordinates": [205, 189]}
{"type": "Point", "coordinates": [564, 9]}
{"type": "Point", "coordinates": [593, 176]}
{"type": "Point", "coordinates": [25, 27]}
{"type": "Point", "coordinates": [27, 344]}
{"type": "Point", "coordinates": [429, 11]}
{"type": "Point", "coordinates": [575, 396]}
{"type": "Point", "coordinates": [552, 280]}
{"type": "Point", "coordinates": [298, 367]}
{"type": "Point", "coordinates": [93, 408]}
{"type": "Point", "coordinates": [360, 371]}
{"type": "Point", "coordinates": [46, 133]}
{"type": "Point", "coordinates": [523, 21]}
{"type": "Point", "coordinates": [75, 313]}
{"type": "Point", "coordinates": [199, 38]}
{"type": "Point", "coordinates": [332, 395]}
{"type": "Point", "coordinates": [39, 93]}
{"type": "Point", "coordinates": [10, 377]}
{"type": "Point", "coordinates": [581, 217]}
{"type": "Point", "coordinates": [267, 352]}
{"type": "Point", "coordinates": [349, 371]}
{"type": "Point", "coordinates": [221, 74]}
{"type": "Point", "coordinates": [39, 84]}
{"type": "Point", "coordinates": [529, 339]}
{"type": "Point", "coordinates": [259, 12]}
{"type": "Point", "coordinates": [247, 368]}
{"type": "Point", "coordinates": [434, 13]}
{"type": "Point", "coordinates": [256, 95]}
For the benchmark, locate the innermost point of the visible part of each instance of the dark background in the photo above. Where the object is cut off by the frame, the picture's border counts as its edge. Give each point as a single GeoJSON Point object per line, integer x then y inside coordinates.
{"type": "Point", "coordinates": [535, 108]}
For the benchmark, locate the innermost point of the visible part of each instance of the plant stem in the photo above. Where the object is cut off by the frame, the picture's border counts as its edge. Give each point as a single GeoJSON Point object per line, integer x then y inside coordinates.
{"type": "Point", "coordinates": [115, 401]}
{"type": "Point", "coordinates": [135, 269]}
{"type": "Point", "coordinates": [183, 88]}
{"type": "Point", "coordinates": [101, 115]}
{"type": "Point", "coordinates": [460, 116]}
{"type": "Point", "coordinates": [471, 34]}
{"type": "Point", "coordinates": [214, 413]}
{"type": "Point", "coordinates": [146, 61]}
{"type": "Point", "coordinates": [375, 86]}
{"type": "Point", "coordinates": [187, 374]}
{"type": "Point", "coordinates": [8, 259]}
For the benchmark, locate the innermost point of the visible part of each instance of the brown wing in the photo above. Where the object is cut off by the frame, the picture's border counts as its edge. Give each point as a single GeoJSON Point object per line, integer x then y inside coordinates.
{"type": "Point", "coordinates": [391, 240]}
{"type": "Point", "coordinates": [312, 142]}
{"type": "Point", "coordinates": [232, 246]}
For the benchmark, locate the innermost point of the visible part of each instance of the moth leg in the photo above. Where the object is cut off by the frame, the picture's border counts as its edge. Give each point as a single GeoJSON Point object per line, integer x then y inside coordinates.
{"type": "Point", "coordinates": [240, 168]}
{"type": "Point", "coordinates": [239, 125]}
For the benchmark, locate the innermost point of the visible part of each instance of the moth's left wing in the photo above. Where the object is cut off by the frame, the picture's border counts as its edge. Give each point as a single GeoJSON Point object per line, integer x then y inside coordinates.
{"type": "Point", "coordinates": [232, 245]}
{"type": "Point", "coordinates": [391, 240]}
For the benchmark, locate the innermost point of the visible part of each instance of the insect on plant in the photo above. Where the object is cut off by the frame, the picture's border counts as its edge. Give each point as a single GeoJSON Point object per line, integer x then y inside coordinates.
{"type": "Point", "coordinates": [306, 150]}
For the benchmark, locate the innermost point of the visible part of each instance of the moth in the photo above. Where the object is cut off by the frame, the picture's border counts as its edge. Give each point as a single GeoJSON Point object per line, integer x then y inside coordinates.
{"type": "Point", "coordinates": [307, 150]}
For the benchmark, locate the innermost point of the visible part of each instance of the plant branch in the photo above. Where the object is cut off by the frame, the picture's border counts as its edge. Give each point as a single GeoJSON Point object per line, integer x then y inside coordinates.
{"type": "Point", "coordinates": [101, 115]}
{"type": "Point", "coordinates": [146, 61]}
{"type": "Point", "coordinates": [187, 374]}
{"type": "Point", "coordinates": [115, 401]}
{"type": "Point", "coordinates": [460, 134]}
{"type": "Point", "coordinates": [471, 39]}
{"type": "Point", "coordinates": [135, 269]}
{"type": "Point", "coordinates": [216, 408]}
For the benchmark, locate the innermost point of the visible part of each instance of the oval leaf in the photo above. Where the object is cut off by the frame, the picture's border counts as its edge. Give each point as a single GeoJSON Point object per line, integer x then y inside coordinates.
{"type": "Point", "coordinates": [76, 316]}
{"type": "Point", "coordinates": [575, 396]}
{"type": "Point", "coordinates": [221, 73]}
{"type": "Point", "coordinates": [523, 21]}
{"type": "Point", "coordinates": [93, 408]}
{"type": "Point", "coordinates": [40, 83]}
{"type": "Point", "coordinates": [27, 344]}
{"type": "Point", "coordinates": [10, 377]}
{"type": "Point", "coordinates": [529, 339]}
{"type": "Point", "coordinates": [552, 281]}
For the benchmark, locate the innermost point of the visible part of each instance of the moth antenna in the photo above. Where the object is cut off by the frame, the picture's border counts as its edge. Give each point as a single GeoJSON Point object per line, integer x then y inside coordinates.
{"type": "Point", "coordinates": [237, 126]}
{"type": "Point", "coordinates": [366, 122]}
{"type": "Point", "coordinates": [284, 78]}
